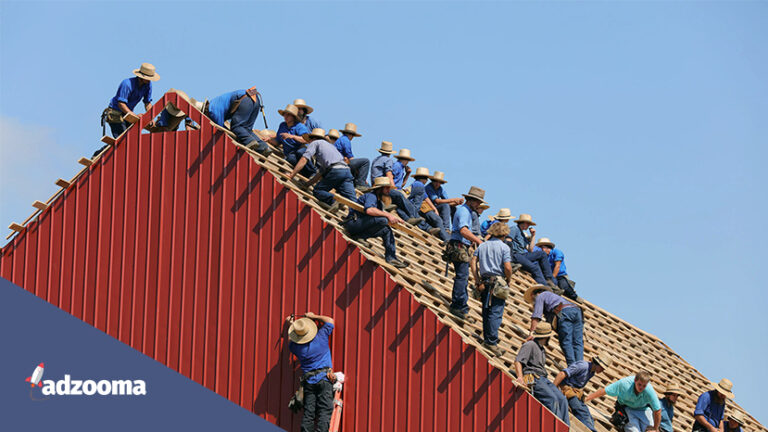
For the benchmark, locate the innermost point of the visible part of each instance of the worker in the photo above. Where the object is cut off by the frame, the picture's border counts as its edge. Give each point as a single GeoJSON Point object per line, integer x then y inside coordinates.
{"type": "Point", "coordinates": [534, 262]}
{"type": "Point", "coordinates": [572, 380]}
{"type": "Point", "coordinates": [671, 394]}
{"type": "Point", "coordinates": [531, 368]}
{"type": "Point", "coordinates": [304, 111]}
{"type": "Point", "coordinates": [169, 120]}
{"type": "Point", "coordinates": [734, 422]}
{"type": "Point", "coordinates": [374, 221]}
{"type": "Point", "coordinates": [636, 399]}
{"type": "Point", "coordinates": [457, 249]}
{"type": "Point", "coordinates": [570, 321]}
{"type": "Point", "coordinates": [359, 166]}
{"type": "Point", "coordinates": [710, 407]}
{"type": "Point", "coordinates": [556, 260]}
{"type": "Point", "coordinates": [382, 167]}
{"type": "Point", "coordinates": [311, 347]}
{"type": "Point", "coordinates": [491, 266]}
{"type": "Point", "coordinates": [332, 173]}
{"type": "Point", "coordinates": [400, 169]}
{"type": "Point", "coordinates": [487, 224]}
{"type": "Point", "coordinates": [445, 206]}
{"type": "Point", "coordinates": [503, 216]}
{"type": "Point", "coordinates": [427, 209]}
{"type": "Point", "coordinates": [290, 135]}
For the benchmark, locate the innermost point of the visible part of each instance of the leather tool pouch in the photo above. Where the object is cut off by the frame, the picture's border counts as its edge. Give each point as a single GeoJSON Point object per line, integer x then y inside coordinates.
{"type": "Point", "coordinates": [456, 252]}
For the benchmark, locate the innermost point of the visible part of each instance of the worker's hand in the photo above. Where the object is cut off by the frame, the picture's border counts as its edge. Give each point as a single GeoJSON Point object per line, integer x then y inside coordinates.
{"type": "Point", "coordinates": [529, 338]}
{"type": "Point", "coordinates": [532, 230]}
{"type": "Point", "coordinates": [151, 124]}
{"type": "Point", "coordinates": [394, 219]}
{"type": "Point", "coordinates": [310, 315]}
{"type": "Point", "coordinates": [520, 382]}
{"type": "Point", "coordinates": [289, 319]}
{"type": "Point", "coordinates": [407, 169]}
{"type": "Point", "coordinates": [286, 135]}
{"type": "Point", "coordinates": [481, 287]}
{"type": "Point", "coordinates": [459, 201]}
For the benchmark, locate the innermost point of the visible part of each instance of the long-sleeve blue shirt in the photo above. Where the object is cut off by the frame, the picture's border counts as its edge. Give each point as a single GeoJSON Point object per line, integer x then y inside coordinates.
{"type": "Point", "coordinates": [344, 145]}
{"type": "Point", "coordinates": [315, 354]}
{"type": "Point", "coordinates": [291, 145]}
{"type": "Point", "coordinates": [130, 92]}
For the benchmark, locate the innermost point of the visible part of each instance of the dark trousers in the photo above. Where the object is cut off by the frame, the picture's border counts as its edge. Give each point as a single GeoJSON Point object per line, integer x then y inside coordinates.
{"type": "Point", "coordinates": [459, 296]}
{"type": "Point", "coordinates": [318, 406]}
{"type": "Point", "coordinates": [360, 168]}
{"type": "Point", "coordinates": [568, 291]}
{"type": "Point", "coordinates": [444, 210]}
{"type": "Point", "coordinates": [118, 128]}
{"type": "Point", "coordinates": [433, 220]}
{"type": "Point", "coordinates": [369, 226]}
{"type": "Point", "coordinates": [551, 397]}
{"type": "Point", "coordinates": [493, 310]}
{"type": "Point", "coordinates": [581, 412]}
{"type": "Point", "coordinates": [570, 334]}
{"type": "Point", "coordinates": [339, 179]}
{"type": "Point", "coordinates": [405, 208]}
{"type": "Point", "coordinates": [293, 158]}
{"type": "Point", "coordinates": [536, 263]}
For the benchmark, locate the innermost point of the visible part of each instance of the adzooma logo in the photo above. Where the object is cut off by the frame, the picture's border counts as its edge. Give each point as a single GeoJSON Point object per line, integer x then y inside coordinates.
{"type": "Point", "coordinates": [76, 387]}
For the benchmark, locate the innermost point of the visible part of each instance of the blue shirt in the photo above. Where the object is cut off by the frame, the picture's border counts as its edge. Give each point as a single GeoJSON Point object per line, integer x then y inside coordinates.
{"type": "Point", "coordinates": [418, 193]}
{"type": "Point", "coordinates": [291, 145]}
{"type": "Point", "coordinates": [556, 255]}
{"type": "Point", "coordinates": [344, 146]}
{"type": "Point", "coordinates": [624, 391]}
{"type": "Point", "coordinates": [218, 107]}
{"type": "Point", "coordinates": [381, 166]}
{"type": "Point", "coordinates": [708, 407]}
{"type": "Point", "coordinates": [517, 240]}
{"type": "Point", "coordinates": [545, 304]}
{"type": "Point", "coordinates": [315, 354]}
{"type": "Point", "coordinates": [367, 200]}
{"type": "Point", "coordinates": [462, 218]}
{"type": "Point", "coordinates": [578, 374]}
{"type": "Point", "coordinates": [491, 256]}
{"type": "Point", "coordinates": [667, 414]}
{"type": "Point", "coordinates": [398, 174]}
{"type": "Point", "coordinates": [311, 123]}
{"type": "Point", "coordinates": [433, 193]}
{"type": "Point", "coordinates": [485, 225]}
{"type": "Point", "coordinates": [130, 93]}
{"type": "Point", "coordinates": [164, 118]}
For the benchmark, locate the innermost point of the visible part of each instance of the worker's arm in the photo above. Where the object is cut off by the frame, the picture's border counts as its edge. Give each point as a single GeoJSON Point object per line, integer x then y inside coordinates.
{"type": "Point", "coordinates": [532, 243]}
{"type": "Point", "coordinates": [520, 380]}
{"type": "Point", "coordinates": [559, 378]}
{"type": "Point", "coordinates": [392, 218]}
{"type": "Point", "coordinates": [324, 319]}
{"type": "Point", "coordinates": [595, 395]}
{"type": "Point", "coordinates": [473, 266]}
{"type": "Point", "coordinates": [147, 106]}
{"type": "Point", "coordinates": [299, 166]}
{"type": "Point", "coordinates": [467, 234]}
{"type": "Point", "coordinates": [431, 205]}
{"type": "Point", "coordinates": [407, 174]}
{"type": "Point", "coordinates": [391, 179]}
{"type": "Point", "coordinates": [556, 269]}
{"type": "Point", "coordinates": [346, 160]}
{"type": "Point", "coordinates": [508, 272]}
{"type": "Point", "coordinates": [656, 421]}
{"type": "Point", "coordinates": [124, 108]}
{"type": "Point", "coordinates": [534, 322]}
{"type": "Point", "coordinates": [703, 421]}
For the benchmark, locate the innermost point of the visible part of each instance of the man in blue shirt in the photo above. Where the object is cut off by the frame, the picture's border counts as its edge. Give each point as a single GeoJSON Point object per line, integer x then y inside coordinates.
{"type": "Point", "coordinates": [504, 216]}
{"type": "Point", "coordinates": [427, 210]}
{"type": "Point", "coordinates": [671, 394]}
{"type": "Point", "coordinates": [570, 321]}
{"type": "Point", "coordinates": [533, 261]}
{"type": "Point", "coordinates": [382, 167]}
{"type": "Point", "coordinates": [492, 268]}
{"type": "Point", "coordinates": [710, 407]}
{"type": "Point", "coordinates": [734, 422]}
{"type": "Point", "coordinates": [312, 349]}
{"type": "Point", "coordinates": [457, 249]}
{"type": "Point", "coordinates": [445, 206]}
{"type": "Point", "coordinates": [304, 111]}
{"type": "Point", "coordinates": [241, 108]}
{"type": "Point", "coordinates": [374, 221]}
{"type": "Point", "coordinates": [556, 260]}
{"type": "Point", "coordinates": [332, 172]}
{"type": "Point", "coordinates": [359, 166]}
{"type": "Point", "coordinates": [290, 135]}
{"type": "Point", "coordinates": [571, 382]}
{"type": "Point", "coordinates": [400, 169]}
{"type": "Point", "coordinates": [636, 396]}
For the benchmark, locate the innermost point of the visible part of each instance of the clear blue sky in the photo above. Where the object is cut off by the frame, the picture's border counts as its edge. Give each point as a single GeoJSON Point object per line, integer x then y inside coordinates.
{"type": "Point", "coordinates": [634, 132]}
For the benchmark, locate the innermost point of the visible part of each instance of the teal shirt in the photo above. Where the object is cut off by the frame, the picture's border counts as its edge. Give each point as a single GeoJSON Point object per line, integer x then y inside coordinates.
{"type": "Point", "coordinates": [624, 391]}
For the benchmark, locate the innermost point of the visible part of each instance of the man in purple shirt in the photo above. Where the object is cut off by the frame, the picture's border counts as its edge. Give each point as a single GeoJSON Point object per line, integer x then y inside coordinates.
{"type": "Point", "coordinates": [572, 380]}
{"type": "Point", "coordinates": [570, 323]}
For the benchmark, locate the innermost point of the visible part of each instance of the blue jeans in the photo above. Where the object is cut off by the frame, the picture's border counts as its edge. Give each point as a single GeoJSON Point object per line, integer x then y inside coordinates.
{"type": "Point", "coordinates": [339, 179]}
{"type": "Point", "coordinates": [444, 210]}
{"type": "Point", "coordinates": [570, 334]}
{"type": "Point", "coordinates": [118, 128]}
{"type": "Point", "coordinates": [551, 397]}
{"type": "Point", "coordinates": [433, 220]}
{"type": "Point", "coordinates": [242, 121]}
{"type": "Point", "coordinates": [459, 297]}
{"type": "Point", "coordinates": [364, 226]}
{"type": "Point", "coordinates": [581, 412]}
{"type": "Point", "coordinates": [536, 263]}
{"type": "Point", "coordinates": [360, 168]}
{"type": "Point", "coordinates": [405, 208]}
{"type": "Point", "coordinates": [639, 419]}
{"type": "Point", "coordinates": [493, 310]}
{"type": "Point", "coordinates": [562, 282]}
{"type": "Point", "coordinates": [293, 158]}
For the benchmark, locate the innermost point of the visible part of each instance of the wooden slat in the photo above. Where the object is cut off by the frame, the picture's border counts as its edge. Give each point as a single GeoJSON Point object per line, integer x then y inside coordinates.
{"type": "Point", "coordinates": [40, 205]}
{"type": "Point", "coordinates": [108, 140]}
{"type": "Point", "coordinates": [62, 183]}
{"type": "Point", "coordinates": [16, 227]}
{"type": "Point", "coordinates": [131, 118]}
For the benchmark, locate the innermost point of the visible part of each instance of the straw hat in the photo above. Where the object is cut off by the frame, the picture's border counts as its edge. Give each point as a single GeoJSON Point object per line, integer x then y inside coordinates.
{"type": "Point", "coordinates": [317, 133]}
{"type": "Point", "coordinates": [545, 242]}
{"type": "Point", "coordinates": [147, 72]}
{"type": "Point", "coordinates": [603, 359]}
{"type": "Point", "coordinates": [290, 109]}
{"type": "Point", "coordinates": [404, 154]}
{"type": "Point", "coordinates": [724, 387]}
{"type": "Point", "coordinates": [525, 218]}
{"type": "Point", "coordinates": [543, 330]}
{"type": "Point", "coordinates": [267, 133]}
{"type": "Point", "coordinates": [485, 206]}
{"type": "Point", "coordinates": [674, 388]}
{"type": "Point", "coordinates": [302, 331]}
{"type": "Point", "coordinates": [199, 105]}
{"type": "Point", "coordinates": [439, 177]}
{"type": "Point", "coordinates": [737, 417]}
{"type": "Point", "coordinates": [301, 104]}
{"type": "Point", "coordinates": [476, 193]}
{"type": "Point", "coordinates": [351, 129]}
{"type": "Point", "coordinates": [421, 172]}
{"type": "Point", "coordinates": [386, 147]}
{"type": "Point", "coordinates": [504, 214]}
{"type": "Point", "coordinates": [180, 93]}
{"type": "Point", "coordinates": [380, 182]}
{"type": "Point", "coordinates": [333, 134]}
{"type": "Point", "coordinates": [535, 289]}
{"type": "Point", "coordinates": [175, 112]}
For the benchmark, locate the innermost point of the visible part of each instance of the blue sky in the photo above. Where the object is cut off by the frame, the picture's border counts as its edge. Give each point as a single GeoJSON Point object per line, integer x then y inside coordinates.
{"type": "Point", "coordinates": [635, 133]}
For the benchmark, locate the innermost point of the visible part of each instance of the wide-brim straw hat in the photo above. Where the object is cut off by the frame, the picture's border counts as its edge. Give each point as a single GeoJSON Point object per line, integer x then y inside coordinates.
{"type": "Point", "coordinates": [485, 206]}
{"type": "Point", "coordinates": [439, 177]}
{"type": "Point", "coordinates": [674, 388]}
{"type": "Point", "coordinates": [476, 193]}
{"type": "Point", "coordinates": [268, 133]}
{"type": "Point", "coordinates": [504, 214]}
{"type": "Point", "coordinates": [603, 359]}
{"type": "Point", "coordinates": [199, 105]}
{"type": "Point", "coordinates": [404, 154]}
{"type": "Point", "coordinates": [386, 148]}
{"type": "Point", "coordinates": [181, 93]}
{"type": "Point", "coordinates": [737, 417]}
{"type": "Point", "coordinates": [421, 172]}
{"type": "Point", "coordinates": [147, 72]}
{"type": "Point", "coordinates": [534, 289]}
{"type": "Point", "coordinates": [173, 111]}
{"type": "Point", "coordinates": [302, 331]}
{"type": "Point", "coordinates": [543, 330]}
{"type": "Point", "coordinates": [351, 129]}
{"type": "Point", "coordinates": [289, 109]}
{"type": "Point", "coordinates": [544, 241]}
{"type": "Point", "coordinates": [301, 104]}
{"type": "Point", "coordinates": [334, 134]}
{"type": "Point", "coordinates": [317, 133]}
{"type": "Point", "coordinates": [380, 182]}
{"type": "Point", "coordinates": [724, 387]}
{"type": "Point", "coordinates": [525, 218]}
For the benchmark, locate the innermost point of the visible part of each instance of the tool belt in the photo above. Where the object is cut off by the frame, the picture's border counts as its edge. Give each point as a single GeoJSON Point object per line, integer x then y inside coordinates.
{"type": "Point", "coordinates": [570, 392]}
{"type": "Point", "coordinates": [498, 286]}
{"type": "Point", "coordinates": [111, 115]}
{"type": "Point", "coordinates": [529, 379]}
{"type": "Point", "coordinates": [425, 208]}
{"type": "Point", "coordinates": [312, 373]}
{"type": "Point", "coordinates": [296, 403]}
{"type": "Point", "coordinates": [456, 251]}
{"type": "Point", "coordinates": [619, 417]}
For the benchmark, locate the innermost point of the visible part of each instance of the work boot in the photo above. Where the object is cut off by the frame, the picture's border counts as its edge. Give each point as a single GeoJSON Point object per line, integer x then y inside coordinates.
{"type": "Point", "coordinates": [552, 285]}
{"type": "Point", "coordinates": [389, 207]}
{"type": "Point", "coordinates": [329, 208]}
{"type": "Point", "coordinates": [462, 316]}
{"type": "Point", "coordinates": [516, 267]}
{"type": "Point", "coordinates": [415, 220]}
{"type": "Point", "coordinates": [498, 352]}
{"type": "Point", "coordinates": [363, 188]}
{"type": "Point", "coordinates": [436, 231]}
{"type": "Point", "coordinates": [397, 263]}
